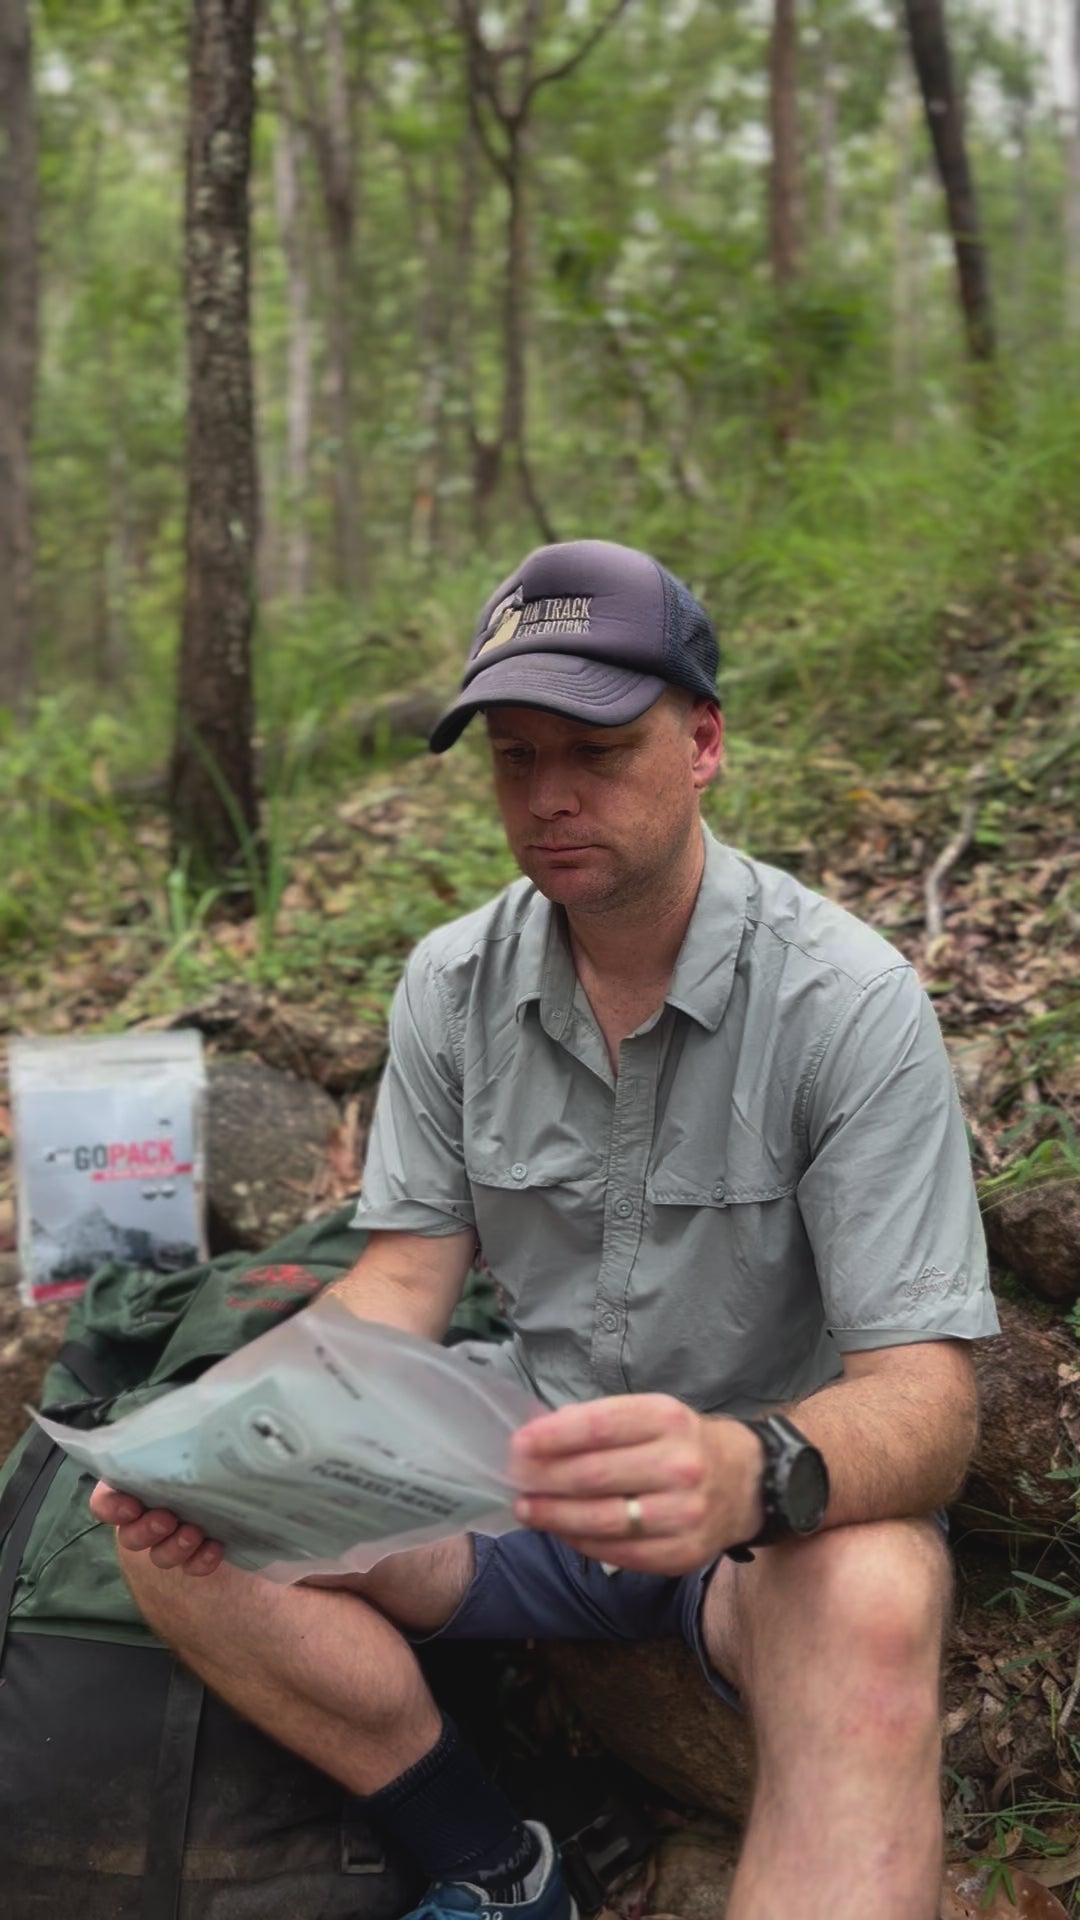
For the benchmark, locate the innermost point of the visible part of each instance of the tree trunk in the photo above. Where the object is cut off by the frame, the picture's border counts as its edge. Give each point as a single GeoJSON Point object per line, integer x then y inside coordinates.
{"type": "Point", "coordinates": [827, 144]}
{"type": "Point", "coordinates": [945, 119]}
{"type": "Point", "coordinates": [213, 806]}
{"type": "Point", "coordinates": [905, 265]}
{"type": "Point", "coordinates": [785, 213]}
{"type": "Point", "coordinates": [1072, 186]}
{"type": "Point", "coordinates": [298, 363]}
{"type": "Point", "coordinates": [785, 177]}
{"type": "Point", "coordinates": [18, 350]}
{"type": "Point", "coordinates": [339, 188]}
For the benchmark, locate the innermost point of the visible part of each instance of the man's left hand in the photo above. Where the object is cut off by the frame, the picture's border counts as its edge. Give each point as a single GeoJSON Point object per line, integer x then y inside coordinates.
{"type": "Point", "coordinates": [694, 1481]}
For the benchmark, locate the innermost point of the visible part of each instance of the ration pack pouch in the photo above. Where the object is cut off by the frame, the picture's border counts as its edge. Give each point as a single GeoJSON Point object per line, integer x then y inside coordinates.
{"type": "Point", "coordinates": [108, 1156]}
{"type": "Point", "coordinates": [321, 1447]}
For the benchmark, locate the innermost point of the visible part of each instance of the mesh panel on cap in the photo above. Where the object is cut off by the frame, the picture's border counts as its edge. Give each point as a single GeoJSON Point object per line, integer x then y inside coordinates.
{"type": "Point", "coordinates": [690, 645]}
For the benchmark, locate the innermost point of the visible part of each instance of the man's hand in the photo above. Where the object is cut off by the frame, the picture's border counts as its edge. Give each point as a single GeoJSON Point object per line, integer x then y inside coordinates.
{"type": "Point", "coordinates": [170, 1542]}
{"type": "Point", "coordinates": [696, 1481]}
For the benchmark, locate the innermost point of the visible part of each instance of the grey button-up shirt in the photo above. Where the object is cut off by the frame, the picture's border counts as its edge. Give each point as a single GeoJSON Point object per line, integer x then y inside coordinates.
{"type": "Point", "coordinates": [778, 1173]}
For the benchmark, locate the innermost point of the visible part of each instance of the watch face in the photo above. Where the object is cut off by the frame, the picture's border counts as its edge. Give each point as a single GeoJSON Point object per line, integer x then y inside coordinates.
{"type": "Point", "coordinates": [807, 1491]}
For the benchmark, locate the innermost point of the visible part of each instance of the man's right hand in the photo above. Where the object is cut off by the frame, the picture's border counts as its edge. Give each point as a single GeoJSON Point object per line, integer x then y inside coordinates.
{"type": "Point", "coordinates": [171, 1542]}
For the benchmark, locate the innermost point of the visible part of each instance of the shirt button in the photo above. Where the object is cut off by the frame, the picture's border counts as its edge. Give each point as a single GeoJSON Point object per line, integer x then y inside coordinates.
{"type": "Point", "coordinates": [519, 1170]}
{"type": "Point", "coordinates": [609, 1322]}
{"type": "Point", "coordinates": [624, 1208]}
{"type": "Point", "coordinates": [719, 1192]}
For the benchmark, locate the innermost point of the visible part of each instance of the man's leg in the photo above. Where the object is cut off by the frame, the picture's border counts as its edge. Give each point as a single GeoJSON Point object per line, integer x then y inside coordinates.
{"type": "Point", "coordinates": [323, 1671]}
{"type": "Point", "coordinates": [835, 1645]}
{"type": "Point", "coordinates": [326, 1673]}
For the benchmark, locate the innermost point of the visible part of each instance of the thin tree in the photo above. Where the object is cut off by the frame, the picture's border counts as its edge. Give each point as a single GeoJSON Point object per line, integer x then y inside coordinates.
{"type": "Point", "coordinates": [213, 804]}
{"type": "Point", "coordinates": [503, 81]}
{"type": "Point", "coordinates": [18, 349]}
{"type": "Point", "coordinates": [328, 106]}
{"type": "Point", "coordinates": [298, 373]}
{"type": "Point", "coordinates": [785, 213]}
{"type": "Point", "coordinates": [1072, 183]}
{"type": "Point", "coordinates": [943, 107]}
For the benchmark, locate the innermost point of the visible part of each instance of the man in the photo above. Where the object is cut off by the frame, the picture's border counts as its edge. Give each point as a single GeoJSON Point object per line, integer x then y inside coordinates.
{"type": "Point", "coordinates": [701, 1124]}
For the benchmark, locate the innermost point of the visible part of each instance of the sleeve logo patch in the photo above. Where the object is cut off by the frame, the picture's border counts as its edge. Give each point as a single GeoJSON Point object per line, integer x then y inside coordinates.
{"type": "Point", "coordinates": [932, 1283]}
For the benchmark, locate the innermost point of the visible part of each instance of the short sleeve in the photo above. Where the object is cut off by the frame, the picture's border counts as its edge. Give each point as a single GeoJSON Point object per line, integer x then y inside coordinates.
{"type": "Point", "coordinates": [414, 1174]}
{"type": "Point", "coordinates": [888, 1199]}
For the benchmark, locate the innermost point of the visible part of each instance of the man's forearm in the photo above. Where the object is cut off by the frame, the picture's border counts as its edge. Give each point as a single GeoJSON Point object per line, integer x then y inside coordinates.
{"type": "Point", "coordinates": [895, 1442]}
{"type": "Point", "coordinates": [405, 1280]}
{"type": "Point", "coordinates": [372, 1295]}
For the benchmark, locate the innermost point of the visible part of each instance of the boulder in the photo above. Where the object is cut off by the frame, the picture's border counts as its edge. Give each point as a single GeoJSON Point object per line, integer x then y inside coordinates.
{"type": "Point", "coordinates": [268, 1136]}
{"type": "Point", "coordinates": [317, 1046]}
{"type": "Point", "coordinates": [981, 1069]}
{"type": "Point", "coordinates": [649, 1706]}
{"type": "Point", "coordinates": [30, 1338]}
{"type": "Point", "coordinates": [1035, 1232]}
{"type": "Point", "coordinates": [691, 1872]}
{"type": "Point", "coordinates": [1029, 1390]}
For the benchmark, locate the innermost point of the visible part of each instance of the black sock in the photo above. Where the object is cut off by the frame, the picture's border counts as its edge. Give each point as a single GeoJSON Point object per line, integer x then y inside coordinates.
{"type": "Point", "coordinates": [455, 1822]}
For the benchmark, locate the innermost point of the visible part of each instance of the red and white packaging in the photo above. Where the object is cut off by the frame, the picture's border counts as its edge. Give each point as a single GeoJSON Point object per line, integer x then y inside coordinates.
{"type": "Point", "coordinates": [108, 1156]}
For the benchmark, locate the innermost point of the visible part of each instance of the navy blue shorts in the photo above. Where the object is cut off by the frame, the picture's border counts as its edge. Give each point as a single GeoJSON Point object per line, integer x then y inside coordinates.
{"type": "Point", "coordinates": [531, 1586]}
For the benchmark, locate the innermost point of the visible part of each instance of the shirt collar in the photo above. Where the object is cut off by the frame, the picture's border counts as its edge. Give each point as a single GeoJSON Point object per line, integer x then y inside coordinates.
{"type": "Point", "coordinates": [545, 965]}
{"type": "Point", "coordinates": [705, 968]}
{"type": "Point", "coordinates": [701, 981]}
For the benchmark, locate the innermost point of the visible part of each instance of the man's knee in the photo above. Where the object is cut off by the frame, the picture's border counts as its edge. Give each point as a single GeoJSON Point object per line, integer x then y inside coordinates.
{"type": "Point", "coordinates": [879, 1592]}
{"type": "Point", "coordinates": [862, 1605]}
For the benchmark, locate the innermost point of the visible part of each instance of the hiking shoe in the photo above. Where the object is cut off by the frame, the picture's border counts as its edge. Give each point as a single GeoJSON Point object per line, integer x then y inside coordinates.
{"type": "Point", "coordinates": [550, 1899]}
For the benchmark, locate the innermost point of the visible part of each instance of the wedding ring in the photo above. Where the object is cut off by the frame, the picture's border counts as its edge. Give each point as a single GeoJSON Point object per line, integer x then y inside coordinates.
{"type": "Point", "coordinates": [635, 1519]}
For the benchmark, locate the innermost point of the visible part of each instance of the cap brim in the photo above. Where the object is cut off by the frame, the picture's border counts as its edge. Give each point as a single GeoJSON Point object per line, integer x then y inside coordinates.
{"type": "Point", "coordinates": [565, 683]}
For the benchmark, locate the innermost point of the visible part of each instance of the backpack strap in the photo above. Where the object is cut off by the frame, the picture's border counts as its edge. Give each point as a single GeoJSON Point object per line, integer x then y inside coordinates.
{"type": "Point", "coordinates": [167, 1827]}
{"type": "Point", "coordinates": [83, 1364]}
{"type": "Point", "coordinates": [20, 1505]}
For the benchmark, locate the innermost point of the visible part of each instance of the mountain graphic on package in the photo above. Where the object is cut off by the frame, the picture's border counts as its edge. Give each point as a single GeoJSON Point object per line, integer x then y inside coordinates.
{"type": "Point", "coordinates": [73, 1251]}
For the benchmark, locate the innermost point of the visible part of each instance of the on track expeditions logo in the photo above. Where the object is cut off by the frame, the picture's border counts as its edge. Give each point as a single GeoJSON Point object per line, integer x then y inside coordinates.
{"type": "Point", "coordinates": [516, 618]}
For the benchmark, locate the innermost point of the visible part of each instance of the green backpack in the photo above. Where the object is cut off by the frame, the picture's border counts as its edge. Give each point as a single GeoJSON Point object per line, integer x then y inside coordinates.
{"type": "Point", "coordinates": [125, 1790]}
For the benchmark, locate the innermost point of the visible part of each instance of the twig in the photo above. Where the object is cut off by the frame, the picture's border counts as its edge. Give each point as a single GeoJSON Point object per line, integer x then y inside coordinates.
{"type": "Point", "coordinates": [1070, 1699]}
{"type": "Point", "coordinates": [943, 866]}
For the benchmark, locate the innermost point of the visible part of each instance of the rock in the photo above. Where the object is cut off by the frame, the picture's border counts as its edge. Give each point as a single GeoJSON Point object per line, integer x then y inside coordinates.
{"type": "Point", "coordinates": [693, 1868]}
{"type": "Point", "coordinates": [1035, 1232]}
{"type": "Point", "coordinates": [649, 1706]}
{"type": "Point", "coordinates": [30, 1338]}
{"type": "Point", "coordinates": [245, 1019]}
{"type": "Point", "coordinates": [1029, 1389]}
{"type": "Point", "coordinates": [267, 1139]}
{"type": "Point", "coordinates": [981, 1071]}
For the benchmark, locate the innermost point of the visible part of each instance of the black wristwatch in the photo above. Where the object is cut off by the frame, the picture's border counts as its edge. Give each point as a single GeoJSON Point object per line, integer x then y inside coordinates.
{"type": "Point", "coordinates": [794, 1485]}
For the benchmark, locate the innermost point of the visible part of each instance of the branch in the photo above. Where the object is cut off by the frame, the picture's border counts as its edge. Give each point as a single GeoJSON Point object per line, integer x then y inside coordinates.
{"type": "Point", "coordinates": [481, 85]}
{"type": "Point", "coordinates": [580, 53]}
{"type": "Point", "coordinates": [943, 866]}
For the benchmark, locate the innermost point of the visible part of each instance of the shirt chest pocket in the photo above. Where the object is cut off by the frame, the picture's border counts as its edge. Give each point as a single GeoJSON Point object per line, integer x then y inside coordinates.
{"type": "Point", "coordinates": [539, 1210]}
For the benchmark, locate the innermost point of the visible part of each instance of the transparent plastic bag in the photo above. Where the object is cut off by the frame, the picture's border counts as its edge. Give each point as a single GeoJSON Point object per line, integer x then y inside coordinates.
{"type": "Point", "coordinates": [321, 1447]}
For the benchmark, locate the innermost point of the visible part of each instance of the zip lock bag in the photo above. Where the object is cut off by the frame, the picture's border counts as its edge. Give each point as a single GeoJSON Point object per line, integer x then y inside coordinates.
{"type": "Point", "coordinates": [321, 1447]}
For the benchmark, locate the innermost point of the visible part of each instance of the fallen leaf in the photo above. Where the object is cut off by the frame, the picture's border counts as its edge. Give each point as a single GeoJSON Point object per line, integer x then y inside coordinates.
{"type": "Point", "coordinates": [963, 1897]}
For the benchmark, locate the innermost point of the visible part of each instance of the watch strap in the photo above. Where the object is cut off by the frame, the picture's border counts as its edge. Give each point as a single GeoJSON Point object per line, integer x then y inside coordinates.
{"type": "Point", "coordinates": [780, 1439]}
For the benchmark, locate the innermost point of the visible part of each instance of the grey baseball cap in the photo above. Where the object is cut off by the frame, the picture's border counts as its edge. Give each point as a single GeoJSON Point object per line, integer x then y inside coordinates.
{"type": "Point", "coordinates": [587, 629]}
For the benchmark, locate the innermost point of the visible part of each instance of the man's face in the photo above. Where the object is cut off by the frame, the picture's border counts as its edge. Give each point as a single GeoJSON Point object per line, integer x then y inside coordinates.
{"type": "Point", "coordinates": [599, 817]}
